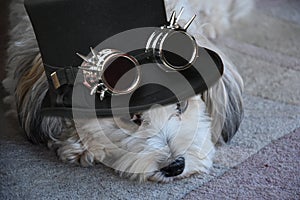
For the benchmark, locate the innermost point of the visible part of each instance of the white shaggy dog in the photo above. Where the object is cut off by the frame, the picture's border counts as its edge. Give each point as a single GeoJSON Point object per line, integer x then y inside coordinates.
{"type": "Point", "coordinates": [161, 144]}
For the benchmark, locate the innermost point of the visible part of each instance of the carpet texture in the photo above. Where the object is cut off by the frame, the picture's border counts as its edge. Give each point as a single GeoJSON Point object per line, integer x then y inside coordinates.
{"type": "Point", "coordinates": [272, 173]}
{"type": "Point", "coordinates": [261, 162]}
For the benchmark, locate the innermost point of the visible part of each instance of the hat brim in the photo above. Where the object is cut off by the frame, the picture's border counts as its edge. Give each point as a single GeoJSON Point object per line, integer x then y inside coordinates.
{"type": "Point", "coordinates": [156, 87]}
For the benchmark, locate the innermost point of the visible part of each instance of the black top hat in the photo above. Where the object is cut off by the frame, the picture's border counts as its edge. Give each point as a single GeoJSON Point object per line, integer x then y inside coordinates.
{"type": "Point", "coordinates": [161, 63]}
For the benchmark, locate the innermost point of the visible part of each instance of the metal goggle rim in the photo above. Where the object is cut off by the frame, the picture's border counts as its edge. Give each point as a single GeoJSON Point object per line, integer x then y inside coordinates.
{"type": "Point", "coordinates": [161, 35]}
{"type": "Point", "coordinates": [97, 71]}
{"type": "Point", "coordinates": [105, 86]}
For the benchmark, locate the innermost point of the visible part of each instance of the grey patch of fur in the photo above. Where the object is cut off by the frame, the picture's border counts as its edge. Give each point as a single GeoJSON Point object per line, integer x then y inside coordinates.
{"type": "Point", "coordinates": [23, 48]}
{"type": "Point", "coordinates": [225, 104]}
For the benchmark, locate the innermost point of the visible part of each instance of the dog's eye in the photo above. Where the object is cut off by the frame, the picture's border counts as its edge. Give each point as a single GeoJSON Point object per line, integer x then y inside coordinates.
{"type": "Point", "coordinates": [182, 106]}
{"type": "Point", "coordinates": [134, 120]}
{"type": "Point", "coordinates": [137, 119]}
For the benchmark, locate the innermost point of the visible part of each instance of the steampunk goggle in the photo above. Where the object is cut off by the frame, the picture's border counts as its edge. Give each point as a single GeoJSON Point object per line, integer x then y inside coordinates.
{"type": "Point", "coordinates": [114, 72]}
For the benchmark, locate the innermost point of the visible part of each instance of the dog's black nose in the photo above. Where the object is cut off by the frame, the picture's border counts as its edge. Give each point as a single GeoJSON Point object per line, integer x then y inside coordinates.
{"type": "Point", "coordinates": [174, 169]}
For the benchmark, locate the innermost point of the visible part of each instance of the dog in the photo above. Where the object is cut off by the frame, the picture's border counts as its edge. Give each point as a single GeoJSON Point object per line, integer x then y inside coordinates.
{"type": "Point", "coordinates": [162, 144]}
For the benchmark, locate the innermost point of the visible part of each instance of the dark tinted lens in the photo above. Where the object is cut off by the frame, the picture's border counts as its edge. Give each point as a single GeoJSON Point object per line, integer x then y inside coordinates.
{"type": "Point", "coordinates": [178, 49]}
{"type": "Point", "coordinates": [120, 74]}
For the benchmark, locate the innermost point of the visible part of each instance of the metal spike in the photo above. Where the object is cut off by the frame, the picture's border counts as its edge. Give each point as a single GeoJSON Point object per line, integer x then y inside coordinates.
{"type": "Point", "coordinates": [93, 52]}
{"type": "Point", "coordinates": [172, 18]}
{"type": "Point", "coordinates": [179, 15]}
{"type": "Point", "coordinates": [83, 57]}
{"type": "Point", "coordinates": [88, 68]}
{"type": "Point", "coordinates": [189, 23]}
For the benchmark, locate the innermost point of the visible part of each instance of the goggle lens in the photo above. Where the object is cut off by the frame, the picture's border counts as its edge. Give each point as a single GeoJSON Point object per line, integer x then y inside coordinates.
{"type": "Point", "coordinates": [178, 50]}
{"type": "Point", "coordinates": [121, 74]}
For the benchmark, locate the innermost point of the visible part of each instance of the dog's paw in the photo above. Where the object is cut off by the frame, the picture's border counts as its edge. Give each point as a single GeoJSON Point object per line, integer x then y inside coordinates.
{"type": "Point", "coordinates": [80, 155]}
{"type": "Point", "coordinates": [73, 150]}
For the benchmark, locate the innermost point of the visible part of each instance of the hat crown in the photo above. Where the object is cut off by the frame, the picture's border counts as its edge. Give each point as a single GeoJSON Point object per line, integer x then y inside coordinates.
{"type": "Point", "coordinates": [65, 27]}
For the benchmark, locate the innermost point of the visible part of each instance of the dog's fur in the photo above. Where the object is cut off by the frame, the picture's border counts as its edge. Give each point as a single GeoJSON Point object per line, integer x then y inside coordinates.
{"type": "Point", "coordinates": [138, 152]}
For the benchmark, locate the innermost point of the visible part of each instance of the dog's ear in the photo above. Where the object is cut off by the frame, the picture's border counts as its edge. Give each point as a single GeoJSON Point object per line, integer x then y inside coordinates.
{"type": "Point", "coordinates": [225, 104]}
